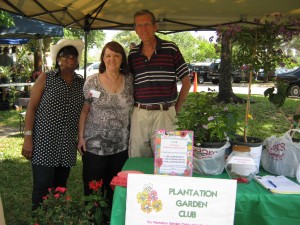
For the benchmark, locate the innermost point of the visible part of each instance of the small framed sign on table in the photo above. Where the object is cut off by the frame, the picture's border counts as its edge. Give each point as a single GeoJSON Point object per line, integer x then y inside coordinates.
{"type": "Point", "coordinates": [173, 153]}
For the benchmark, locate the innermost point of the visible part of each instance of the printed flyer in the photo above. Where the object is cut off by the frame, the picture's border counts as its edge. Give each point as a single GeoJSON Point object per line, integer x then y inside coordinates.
{"type": "Point", "coordinates": [177, 200]}
{"type": "Point", "coordinates": [174, 153]}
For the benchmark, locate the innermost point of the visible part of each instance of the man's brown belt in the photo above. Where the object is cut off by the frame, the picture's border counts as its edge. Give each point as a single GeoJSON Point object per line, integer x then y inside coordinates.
{"type": "Point", "coordinates": [163, 106]}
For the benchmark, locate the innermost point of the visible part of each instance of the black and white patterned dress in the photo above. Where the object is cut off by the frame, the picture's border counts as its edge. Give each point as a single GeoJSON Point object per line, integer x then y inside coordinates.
{"type": "Point", "coordinates": [107, 123]}
{"type": "Point", "coordinates": [56, 122]}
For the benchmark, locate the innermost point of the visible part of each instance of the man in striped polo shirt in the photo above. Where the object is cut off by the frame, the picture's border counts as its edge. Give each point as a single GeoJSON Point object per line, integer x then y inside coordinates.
{"type": "Point", "coordinates": [156, 65]}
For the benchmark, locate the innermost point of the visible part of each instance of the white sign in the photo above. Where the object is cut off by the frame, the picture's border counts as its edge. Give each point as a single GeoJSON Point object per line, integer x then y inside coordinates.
{"type": "Point", "coordinates": [178, 200]}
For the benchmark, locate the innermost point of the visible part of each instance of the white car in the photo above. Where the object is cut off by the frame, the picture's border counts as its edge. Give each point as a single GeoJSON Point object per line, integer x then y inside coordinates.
{"type": "Point", "coordinates": [91, 69]}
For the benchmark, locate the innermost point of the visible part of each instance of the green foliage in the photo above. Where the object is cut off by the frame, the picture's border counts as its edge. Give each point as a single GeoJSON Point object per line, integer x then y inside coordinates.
{"type": "Point", "coordinates": [6, 72]}
{"type": "Point", "coordinates": [6, 20]}
{"type": "Point", "coordinates": [24, 65]}
{"type": "Point", "coordinates": [58, 208]}
{"type": "Point", "coordinates": [96, 203]}
{"type": "Point", "coordinates": [125, 38]}
{"type": "Point", "coordinates": [210, 120]}
{"type": "Point", "coordinates": [94, 37]}
{"type": "Point", "coordinates": [260, 45]}
{"type": "Point", "coordinates": [193, 49]}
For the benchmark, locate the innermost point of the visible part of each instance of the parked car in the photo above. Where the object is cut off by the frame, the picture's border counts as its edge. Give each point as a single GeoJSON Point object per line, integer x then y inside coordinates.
{"type": "Point", "coordinates": [91, 69]}
{"type": "Point", "coordinates": [261, 74]}
{"type": "Point", "coordinates": [201, 68]}
{"type": "Point", "coordinates": [214, 73]}
{"type": "Point", "coordinates": [293, 79]}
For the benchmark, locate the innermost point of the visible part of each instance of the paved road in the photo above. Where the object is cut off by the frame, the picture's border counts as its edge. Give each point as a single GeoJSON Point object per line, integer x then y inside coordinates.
{"type": "Point", "coordinates": [241, 88]}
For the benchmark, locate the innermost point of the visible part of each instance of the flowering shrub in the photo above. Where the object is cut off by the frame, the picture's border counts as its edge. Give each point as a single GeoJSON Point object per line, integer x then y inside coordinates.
{"type": "Point", "coordinates": [58, 208]}
{"type": "Point", "coordinates": [96, 204]}
{"type": "Point", "coordinates": [211, 121]}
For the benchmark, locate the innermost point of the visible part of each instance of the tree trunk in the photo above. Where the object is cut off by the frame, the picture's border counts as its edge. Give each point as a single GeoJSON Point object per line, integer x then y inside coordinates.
{"type": "Point", "coordinates": [225, 88]}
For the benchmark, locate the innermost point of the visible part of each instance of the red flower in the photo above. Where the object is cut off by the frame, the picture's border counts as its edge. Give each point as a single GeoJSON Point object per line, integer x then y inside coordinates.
{"type": "Point", "coordinates": [61, 189]}
{"type": "Point", "coordinates": [68, 198]}
{"type": "Point", "coordinates": [56, 195]}
{"type": "Point", "coordinates": [45, 197]}
{"type": "Point", "coordinates": [95, 186]}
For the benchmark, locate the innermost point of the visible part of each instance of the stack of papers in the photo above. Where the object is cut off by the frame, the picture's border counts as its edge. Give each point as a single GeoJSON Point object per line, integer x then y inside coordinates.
{"type": "Point", "coordinates": [278, 184]}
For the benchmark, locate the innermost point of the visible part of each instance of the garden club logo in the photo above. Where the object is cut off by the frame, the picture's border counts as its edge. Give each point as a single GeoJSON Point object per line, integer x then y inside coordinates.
{"type": "Point", "coordinates": [149, 200]}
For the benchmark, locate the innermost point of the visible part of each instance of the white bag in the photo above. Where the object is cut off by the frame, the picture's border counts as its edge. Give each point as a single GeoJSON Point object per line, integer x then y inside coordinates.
{"type": "Point", "coordinates": [209, 161]}
{"type": "Point", "coordinates": [281, 155]}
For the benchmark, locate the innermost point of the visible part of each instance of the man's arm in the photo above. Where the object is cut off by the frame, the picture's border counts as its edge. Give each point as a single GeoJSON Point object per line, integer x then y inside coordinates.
{"type": "Point", "coordinates": [186, 85]}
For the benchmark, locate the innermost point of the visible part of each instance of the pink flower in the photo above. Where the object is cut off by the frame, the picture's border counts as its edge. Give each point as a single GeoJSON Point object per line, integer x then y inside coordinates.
{"type": "Point", "coordinates": [61, 189]}
{"type": "Point", "coordinates": [158, 162]}
{"type": "Point", "coordinates": [68, 198]}
{"type": "Point", "coordinates": [56, 195]}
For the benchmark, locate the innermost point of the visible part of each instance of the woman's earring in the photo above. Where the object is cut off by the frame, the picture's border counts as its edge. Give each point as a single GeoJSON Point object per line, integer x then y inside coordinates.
{"type": "Point", "coordinates": [59, 63]}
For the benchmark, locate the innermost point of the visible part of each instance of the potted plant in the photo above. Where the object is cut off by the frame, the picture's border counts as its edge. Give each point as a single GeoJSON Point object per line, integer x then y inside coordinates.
{"type": "Point", "coordinates": [211, 121]}
{"type": "Point", "coordinates": [214, 124]}
{"type": "Point", "coordinates": [5, 74]}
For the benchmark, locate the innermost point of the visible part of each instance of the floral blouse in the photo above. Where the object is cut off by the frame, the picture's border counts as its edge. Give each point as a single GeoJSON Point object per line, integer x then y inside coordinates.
{"type": "Point", "coordinates": [108, 121]}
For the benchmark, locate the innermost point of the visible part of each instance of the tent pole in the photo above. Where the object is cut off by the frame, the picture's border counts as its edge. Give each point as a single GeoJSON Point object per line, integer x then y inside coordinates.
{"type": "Point", "coordinates": [85, 53]}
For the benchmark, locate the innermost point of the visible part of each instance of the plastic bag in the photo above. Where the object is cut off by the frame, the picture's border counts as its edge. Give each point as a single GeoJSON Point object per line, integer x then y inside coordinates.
{"type": "Point", "coordinates": [281, 155]}
{"type": "Point", "coordinates": [210, 161]}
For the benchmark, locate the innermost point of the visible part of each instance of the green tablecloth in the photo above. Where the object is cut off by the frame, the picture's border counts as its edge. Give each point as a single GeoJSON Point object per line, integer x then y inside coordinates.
{"type": "Point", "coordinates": [254, 204]}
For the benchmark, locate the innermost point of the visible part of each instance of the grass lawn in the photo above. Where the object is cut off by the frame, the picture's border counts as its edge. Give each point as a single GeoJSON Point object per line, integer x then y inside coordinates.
{"type": "Point", "coordinates": [15, 171]}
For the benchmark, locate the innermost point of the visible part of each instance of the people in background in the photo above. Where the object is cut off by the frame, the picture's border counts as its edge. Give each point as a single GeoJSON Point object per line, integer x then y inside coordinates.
{"type": "Point", "coordinates": [5, 59]}
{"type": "Point", "coordinates": [105, 119]}
{"type": "Point", "coordinates": [51, 122]}
{"type": "Point", "coordinates": [156, 65]}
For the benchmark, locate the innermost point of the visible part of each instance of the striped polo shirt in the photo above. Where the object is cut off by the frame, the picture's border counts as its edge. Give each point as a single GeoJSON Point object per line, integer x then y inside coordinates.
{"type": "Point", "coordinates": [155, 79]}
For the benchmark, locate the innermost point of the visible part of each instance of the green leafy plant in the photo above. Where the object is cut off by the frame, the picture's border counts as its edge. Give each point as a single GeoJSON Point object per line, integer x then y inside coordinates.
{"type": "Point", "coordinates": [6, 72]}
{"type": "Point", "coordinates": [58, 208]}
{"type": "Point", "coordinates": [97, 205]}
{"type": "Point", "coordinates": [210, 120]}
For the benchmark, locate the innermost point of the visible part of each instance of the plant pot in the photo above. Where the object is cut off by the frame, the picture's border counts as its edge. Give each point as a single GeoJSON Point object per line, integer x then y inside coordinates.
{"type": "Point", "coordinates": [255, 145]}
{"type": "Point", "coordinates": [209, 158]}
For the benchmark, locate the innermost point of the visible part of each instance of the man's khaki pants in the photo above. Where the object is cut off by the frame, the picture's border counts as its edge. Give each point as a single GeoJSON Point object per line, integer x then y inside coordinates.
{"type": "Point", "coordinates": [144, 123]}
